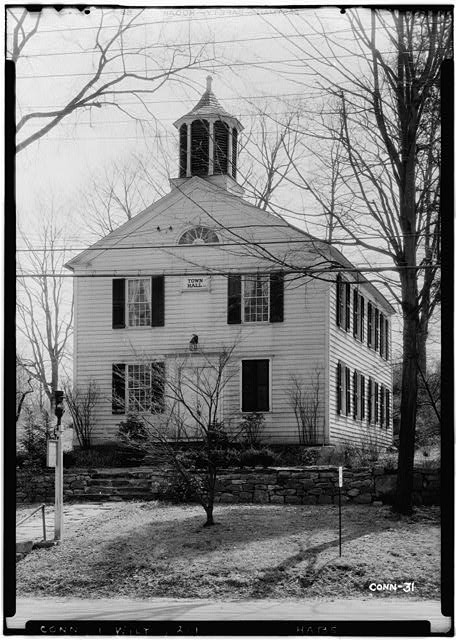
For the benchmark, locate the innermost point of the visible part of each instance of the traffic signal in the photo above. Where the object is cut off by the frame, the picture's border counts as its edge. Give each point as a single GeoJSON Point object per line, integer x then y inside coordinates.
{"type": "Point", "coordinates": [58, 406]}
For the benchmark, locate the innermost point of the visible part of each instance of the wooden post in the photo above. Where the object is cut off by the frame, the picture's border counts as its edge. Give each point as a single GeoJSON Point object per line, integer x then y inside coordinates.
{"type": "Point", "coordinates": [58, 516]}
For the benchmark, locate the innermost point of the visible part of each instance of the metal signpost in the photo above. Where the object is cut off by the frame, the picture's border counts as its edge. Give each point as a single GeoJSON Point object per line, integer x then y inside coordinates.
{"type": "Point", "coordinates": [340, 511]}
{"type": "Point", "coordinates": [58, 516]}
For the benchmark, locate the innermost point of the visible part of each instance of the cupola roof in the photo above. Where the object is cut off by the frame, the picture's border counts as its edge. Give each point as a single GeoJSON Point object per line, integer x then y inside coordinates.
{"type": "Point", "coordinates": [208, 107]}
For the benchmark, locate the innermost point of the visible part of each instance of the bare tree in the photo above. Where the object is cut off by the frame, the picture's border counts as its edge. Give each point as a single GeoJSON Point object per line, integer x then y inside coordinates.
{"type": "Point", "coordinates": [120, 68]}
{"type": "Point", "coordinates": [188, 408]}
{"type": "Point", "coordinates": [81, 403]}
{"type": "Point", "coordinates": [390, 140]}
{"type": "Point", "coordinates": [24, 387]}
{"type": "Point", "coordinates": [44, 308]}
{"type": "Point", "coordinates": [305, 400]}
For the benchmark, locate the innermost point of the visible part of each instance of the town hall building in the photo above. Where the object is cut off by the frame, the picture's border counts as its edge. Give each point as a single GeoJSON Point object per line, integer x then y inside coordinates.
{"type": "Point", "coordinates": [202, 272]}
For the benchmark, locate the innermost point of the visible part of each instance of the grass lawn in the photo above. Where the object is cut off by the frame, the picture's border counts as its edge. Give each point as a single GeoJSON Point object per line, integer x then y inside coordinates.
{"type": "Point", "coordinates": [255, 551]}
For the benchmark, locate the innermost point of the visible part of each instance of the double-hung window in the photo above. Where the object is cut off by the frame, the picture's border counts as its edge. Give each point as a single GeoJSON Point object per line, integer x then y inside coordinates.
{"type": "Point", "coordinates": [256, 298]}
{"type": "Point", "coordinates": [138, 388]}
{"type": "Point", "coordinates": [138, 302]}
{"type": "Point", "coordinates": [343, 385]}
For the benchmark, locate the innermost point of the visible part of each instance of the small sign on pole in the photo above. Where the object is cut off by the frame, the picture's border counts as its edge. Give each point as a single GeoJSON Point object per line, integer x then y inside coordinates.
{"type": "Point", "coordinates": [340, 510]}
{"type": "Point", "coordinates": [51, 452]}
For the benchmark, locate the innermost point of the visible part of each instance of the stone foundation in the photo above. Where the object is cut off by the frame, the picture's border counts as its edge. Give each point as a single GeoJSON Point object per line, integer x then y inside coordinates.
{"type": "Point", "coordinates": [310, 485]}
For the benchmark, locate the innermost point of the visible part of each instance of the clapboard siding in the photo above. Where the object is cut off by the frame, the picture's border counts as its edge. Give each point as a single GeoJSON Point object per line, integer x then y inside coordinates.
{"type": "Point", "coordinates": [204, 313]}
{"type": "Point", "coordinates": [147, 245]}
{"type": "Point", "coordinates": [356, 355]}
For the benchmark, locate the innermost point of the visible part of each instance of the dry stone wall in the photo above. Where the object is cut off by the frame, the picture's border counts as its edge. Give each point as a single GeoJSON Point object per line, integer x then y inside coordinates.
{"type": "Point", "coordinates": [310, 485]}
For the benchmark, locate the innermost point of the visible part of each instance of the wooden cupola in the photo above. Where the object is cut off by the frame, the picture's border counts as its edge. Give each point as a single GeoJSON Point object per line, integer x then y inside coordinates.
{"type": "Point", "coordinates": [208, 139]}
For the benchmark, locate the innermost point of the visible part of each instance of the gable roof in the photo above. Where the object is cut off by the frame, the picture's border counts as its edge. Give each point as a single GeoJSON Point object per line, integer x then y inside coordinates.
{"type": "Point", "coordinates": [184, 191]}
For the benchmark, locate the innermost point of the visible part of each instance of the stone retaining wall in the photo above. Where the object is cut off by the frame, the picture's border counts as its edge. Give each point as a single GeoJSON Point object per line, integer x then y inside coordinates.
{"type": "Point", "coordinates": [310, 485]}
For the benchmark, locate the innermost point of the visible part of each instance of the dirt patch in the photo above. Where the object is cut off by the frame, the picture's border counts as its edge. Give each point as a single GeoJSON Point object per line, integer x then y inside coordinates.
{"type": "Point", "coordinates": [255, 551]}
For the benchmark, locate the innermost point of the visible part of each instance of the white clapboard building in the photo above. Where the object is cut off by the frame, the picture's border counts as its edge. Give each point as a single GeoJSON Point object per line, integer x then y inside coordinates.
{"type": "Point", "coordinates": [202, 270]}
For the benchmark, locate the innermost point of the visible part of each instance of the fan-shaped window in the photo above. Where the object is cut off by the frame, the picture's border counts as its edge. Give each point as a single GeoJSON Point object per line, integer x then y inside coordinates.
{"type": "Point", "coordinates": [199, 235]}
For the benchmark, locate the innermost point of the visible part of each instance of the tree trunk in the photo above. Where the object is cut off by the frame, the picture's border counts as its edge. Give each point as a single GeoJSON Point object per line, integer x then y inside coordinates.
{"type": "Point", "coordinates": [209, 517]}
{"type": "Point", "coordinates": [409, 394]}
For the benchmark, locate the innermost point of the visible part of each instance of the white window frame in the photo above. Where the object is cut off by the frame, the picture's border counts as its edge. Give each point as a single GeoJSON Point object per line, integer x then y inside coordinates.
{"type": "Point", "coordinates": [243, 282]}
{"type": "Point", "coordinates": [128, 366]}
{"type": "Point", "coordinates": [127, 303]}
{"type": "Point", "coordinates": [269, 382]}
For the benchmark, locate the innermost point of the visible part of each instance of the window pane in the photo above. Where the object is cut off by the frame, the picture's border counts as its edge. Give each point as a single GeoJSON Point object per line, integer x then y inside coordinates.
{"type": "Point", "coordinates": [256, 298]}
{"type": "Point", "coordinates": [139, 387]}
{"type": "Point", "coordinates": [139, 299]}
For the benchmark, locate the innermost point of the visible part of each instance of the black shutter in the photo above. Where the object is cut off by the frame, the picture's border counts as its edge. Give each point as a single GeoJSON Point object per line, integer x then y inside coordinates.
{"type": "Point", "coordinates": [387, 400]}
{"type": "Point", "coordinates": [338, 300]}
{"type": "Point", "coordinates": [276, 297]}
{"type": "Point", "coordinates": [355, 395]}
{"type": "Point", "coordinates": [347, 391]}
{"type": "Point", "coordinates": [118, 388]}
{"type": "Point", "coordinates": [234, 299]}
{"type": "Point", "coordinates": [369, 400]}
{"type": "Point", "coordinates": [158, 387]}
{"type": "Point", "coordinates": [339, 387]}
{"type": "Point", "coordinates": [363, 398]}
{"type": "Point", "coordinates": [369, 324]}
{"type": "Point", "coordinates": [361, 332]}
{"type": "Point", "coordinates": [158, 301]}
{"type": "Point", "coordinates": [386, 339]}
{"type": "Point", "coordinates": [249, 385]}
{"type": "Point", "coordinates": [347, 306]}
{"type": "Point", "coordinates": [118, 303]}
{"type": "Point", "coordinates": [262, 385]}
{"type": "Point", "coordinates": [355, 314]}
{"type": "Point", "coordinates": [377, 341]}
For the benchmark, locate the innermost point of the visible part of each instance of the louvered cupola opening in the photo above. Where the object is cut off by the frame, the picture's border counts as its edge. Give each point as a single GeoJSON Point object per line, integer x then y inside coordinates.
{"type": "Point", "coordinates": [221, 134]}
{"type": "Point", "coordinates": [234, 152]}
{"type": "Point", "coordinates": [208, 141]}
{"type": "Point", "coordinates": [200, 148]}
{"type": "Point", "coordinates": [183, 151]}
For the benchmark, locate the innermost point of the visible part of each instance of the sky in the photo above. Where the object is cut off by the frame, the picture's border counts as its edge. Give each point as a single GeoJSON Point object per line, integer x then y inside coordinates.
{"type": "Point", "coordinates": [254, 56]}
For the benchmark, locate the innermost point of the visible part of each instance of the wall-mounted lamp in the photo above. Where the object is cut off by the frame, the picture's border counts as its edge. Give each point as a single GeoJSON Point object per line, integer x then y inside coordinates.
{"type": "Point", "coordinates": [193, 344]}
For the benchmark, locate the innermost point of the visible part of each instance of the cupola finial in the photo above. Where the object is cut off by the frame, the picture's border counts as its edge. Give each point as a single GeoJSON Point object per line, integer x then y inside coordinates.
{"type": "Point", "coordinates": [209, 83]}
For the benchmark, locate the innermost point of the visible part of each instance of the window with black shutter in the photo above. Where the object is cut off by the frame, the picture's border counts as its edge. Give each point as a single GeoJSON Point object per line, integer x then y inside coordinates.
{"type": "Point", "coordinates": [361, 320]}
{"type": "Point", "coordinates": [347, 391]}
{"type": "Point", "coordinates": [355, 395]}
{"type": "Point", "coordinates": [369, 400]}
{"type": "Point", "coordinates": [276, 297]}
{"type": "Point", "coordinates": [363, 397]}
{"type": "Point", "coordinates": [382, 335]}
{"type": "Point", "coordinates": [347, 306]}
{"type": "Point", "coordinates": [369, 325]}
{"type": "Point", "coordinates": [387, 407]}
{"type": "Point", "coordinates": [118, 388]}
{"type": "Point", "coordinates": [382, 405]}
{"type": "Point", "coordinates": [118, 303]}
{"type": "Point", "coordinates": [234, 312]}
{"type": "Point", "coordinates": [355, 314]}
{"type": "Point", "coordinates": [255, 385]}
{"type": "Point", "coordinates": [339, 387]}
{"type": "Point", "coordinates": [339, 301]}
{"type": "Point", "coordinates": [386, 339]}
{"type": "Point", "coordinates": [376, 402]}
{"type": "Point", "coordinates": [377, 326]}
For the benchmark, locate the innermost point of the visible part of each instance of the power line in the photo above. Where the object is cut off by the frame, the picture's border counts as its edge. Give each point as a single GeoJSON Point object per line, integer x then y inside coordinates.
{"type": "Point", "coordinates": [147, 272]}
